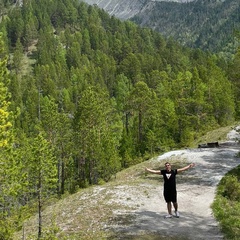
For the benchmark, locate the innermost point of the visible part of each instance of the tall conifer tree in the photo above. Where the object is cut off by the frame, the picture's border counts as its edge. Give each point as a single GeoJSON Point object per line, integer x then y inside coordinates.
{"type": "Point", "coordinates": [5, 146]}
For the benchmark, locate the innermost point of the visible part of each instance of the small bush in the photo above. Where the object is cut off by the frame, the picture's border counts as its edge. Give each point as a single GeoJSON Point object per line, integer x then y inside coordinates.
{"type": "Point", "coordinates": [226, 206]}
{"type": "Point", "coordinates": [230, 188]}
{"type": "Point", "coordinates": [6, 230]}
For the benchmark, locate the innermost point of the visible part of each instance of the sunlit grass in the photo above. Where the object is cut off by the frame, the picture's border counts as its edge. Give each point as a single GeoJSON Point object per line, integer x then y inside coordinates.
{"type": "Point", "coordinates": [217, 135]}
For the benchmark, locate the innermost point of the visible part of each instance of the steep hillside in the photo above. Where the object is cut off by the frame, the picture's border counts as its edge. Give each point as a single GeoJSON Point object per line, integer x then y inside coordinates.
{"type": "Point", "coordinates": [86, 95]}
{"type": "Point", "coordinates": [125, 9]}
{"type": "Point", "coordinates": [132, 205]}
{"type": "Point", "coordinates": [209, 25]}
{"type": "Point", "coordinates": [121, 9]}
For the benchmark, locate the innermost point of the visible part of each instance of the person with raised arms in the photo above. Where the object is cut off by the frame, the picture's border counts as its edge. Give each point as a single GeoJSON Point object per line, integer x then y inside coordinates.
{"type": "Point", "coordinates": [169, 189]}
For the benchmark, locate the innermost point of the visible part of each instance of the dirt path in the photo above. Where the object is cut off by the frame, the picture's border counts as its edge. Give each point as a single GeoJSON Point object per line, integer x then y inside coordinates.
{"type": "Point", "coordinates": [143, 217]}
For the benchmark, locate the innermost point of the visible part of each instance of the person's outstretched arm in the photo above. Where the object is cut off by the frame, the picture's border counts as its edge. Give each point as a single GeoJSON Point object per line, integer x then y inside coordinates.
{"type": "Point", "coordinates": [186, 168]}
{"type": "Point", "coordinates": [152, 171]}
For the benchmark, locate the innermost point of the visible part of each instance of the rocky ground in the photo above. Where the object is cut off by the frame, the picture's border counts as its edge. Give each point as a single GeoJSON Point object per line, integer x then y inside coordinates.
{"type": "Point", "coordinates": [143, 217]}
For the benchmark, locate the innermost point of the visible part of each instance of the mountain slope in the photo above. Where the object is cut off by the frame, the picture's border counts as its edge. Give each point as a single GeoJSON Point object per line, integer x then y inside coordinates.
{"type": "Point", "coordinates": [125, 9]}
{"type": "Point", "coordinates": [209, 25]}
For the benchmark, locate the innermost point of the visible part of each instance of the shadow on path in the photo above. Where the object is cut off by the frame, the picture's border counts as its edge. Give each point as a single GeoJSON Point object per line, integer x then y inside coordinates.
{"type": "Point", "coordinates": [159, 227]}
{"type": "Point", "coordinates": [196, 221]}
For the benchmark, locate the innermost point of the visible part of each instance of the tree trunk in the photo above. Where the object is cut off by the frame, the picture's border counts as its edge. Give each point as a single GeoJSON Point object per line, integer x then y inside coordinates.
{"type": "Point", "coordinates": [40, 208]}
{"type": "Point", "coordinates": [63, 179]}
{"type": "Point", "coordinates": [140, 137]}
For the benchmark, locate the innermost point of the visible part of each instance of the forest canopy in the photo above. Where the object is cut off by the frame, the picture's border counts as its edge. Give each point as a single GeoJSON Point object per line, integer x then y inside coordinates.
{"type": "Point", "coordinates": [84, 95]}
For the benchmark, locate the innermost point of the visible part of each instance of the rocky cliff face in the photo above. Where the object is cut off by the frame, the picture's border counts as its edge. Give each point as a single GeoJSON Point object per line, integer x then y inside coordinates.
{"type": "Point", "coordinates": [125, 9]}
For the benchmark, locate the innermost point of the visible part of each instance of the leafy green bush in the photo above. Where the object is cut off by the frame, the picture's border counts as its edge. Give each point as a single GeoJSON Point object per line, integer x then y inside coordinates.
{"type": "Point", "coordinates": [226, 206]}
{"type": "Point", "coordinates": [230, 188]}
{"type": "Point", "coordinates": [6, 229]}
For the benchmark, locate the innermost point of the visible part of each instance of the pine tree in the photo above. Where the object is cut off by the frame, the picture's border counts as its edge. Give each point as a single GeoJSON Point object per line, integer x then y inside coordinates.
{"type": "Point", "coordinates": [17, 57]}
{"type": "Point", "coordinates": [140, 101]}
{"type": "Point", "coordinates": [97, 136]}
{"type": "Point", "coordinates": [6, 135]}
{"type": "Point", "coordinates": [42, 172]}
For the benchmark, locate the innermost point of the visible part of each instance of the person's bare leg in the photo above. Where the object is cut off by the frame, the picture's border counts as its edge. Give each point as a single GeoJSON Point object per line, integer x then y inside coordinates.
{"type": "Point", "coordinates": [175, 206]}
{"type": "Point", "coordinates": [169, 207]}
{"type": "Point", "coordinates": [176, 209]}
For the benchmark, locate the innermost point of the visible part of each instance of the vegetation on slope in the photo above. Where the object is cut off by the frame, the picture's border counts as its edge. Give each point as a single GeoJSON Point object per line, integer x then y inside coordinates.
{"type": "Point", "coordinates": [84, 95]}
{"type": "Point", "coordinates": [89, 213]}
{"type": "Point", "coordinates": [226, 206]}
{"type": "Point", "coordinates": [209, 25]}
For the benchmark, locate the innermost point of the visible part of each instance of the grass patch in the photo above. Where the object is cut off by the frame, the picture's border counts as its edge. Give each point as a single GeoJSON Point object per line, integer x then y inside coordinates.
{"type": "Point", "coordinates": [216, 135]}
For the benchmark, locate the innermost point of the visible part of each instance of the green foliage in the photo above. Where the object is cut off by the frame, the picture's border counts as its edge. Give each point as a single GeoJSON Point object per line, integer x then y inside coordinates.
{"type": "Point", "coordinates": [8, 171]}
{"type": "Point", "coordinates": [165, 94]}
{"type": "Point", "coordinates": [226, 205]}
{"type": "Point", "coordinates": [230, 188]}
{"type": "Point", "coordinates": [234, 76]}
{"type": "Point", "coordinates": [98, 95]}
{"type": "Point", "coordinates": [227, 213]}
{"type": "Point", "coordinates": [51, 232]}
{"type": "Point", "coordinates": [6, 232]}
{"type": "Point", "coordinates": [5, 123]}
{"type": "Point", "coordinates": [97, 135]}
{"type": "Point", "coordinates": [42, 171]}
{"type": "Point", "coordinates": [199, 24]}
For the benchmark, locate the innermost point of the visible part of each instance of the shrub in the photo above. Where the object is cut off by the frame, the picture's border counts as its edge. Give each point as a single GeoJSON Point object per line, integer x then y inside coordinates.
{"type": "Point", "coordinates": [226, 206]}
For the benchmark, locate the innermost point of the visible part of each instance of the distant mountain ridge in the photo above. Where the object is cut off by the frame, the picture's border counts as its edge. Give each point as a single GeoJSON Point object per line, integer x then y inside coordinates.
{"type": "Point", "coordinates": [125, 9]}
{"type": "Point", "coordinates": [209, 25]}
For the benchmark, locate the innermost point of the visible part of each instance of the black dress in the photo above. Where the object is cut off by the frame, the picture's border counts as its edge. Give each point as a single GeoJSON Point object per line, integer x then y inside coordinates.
{"type": "Point", "coordinates": [169, 190]}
